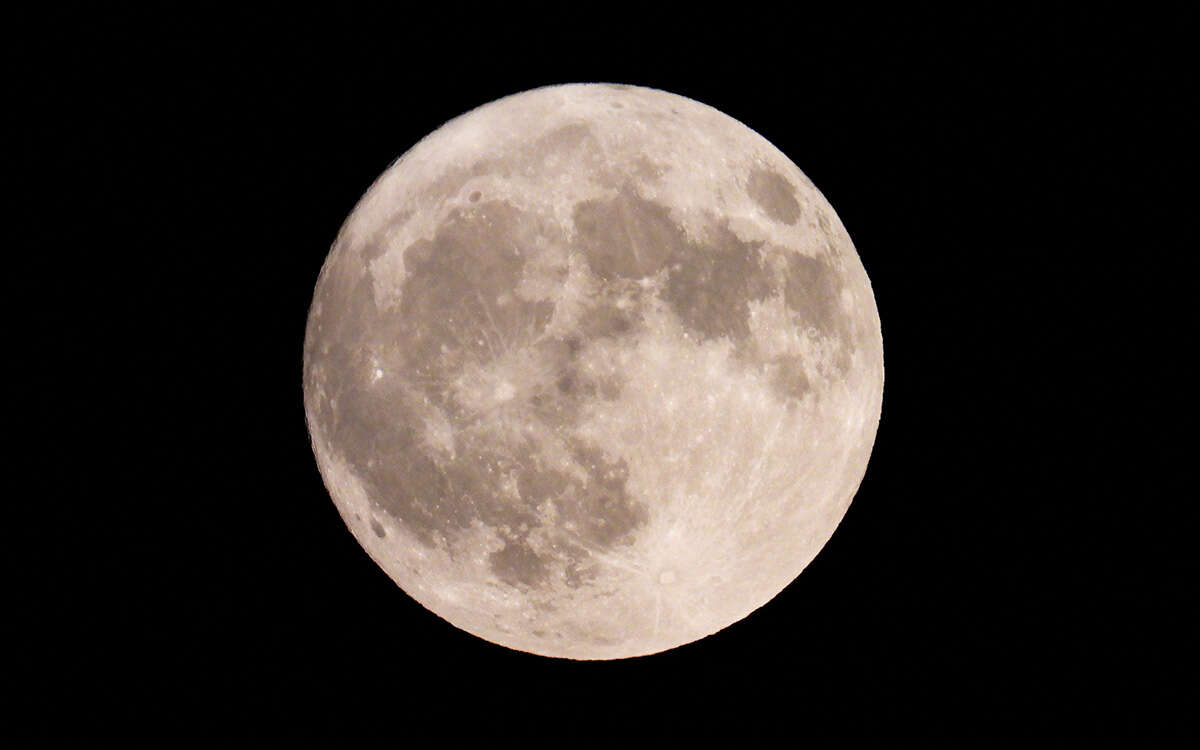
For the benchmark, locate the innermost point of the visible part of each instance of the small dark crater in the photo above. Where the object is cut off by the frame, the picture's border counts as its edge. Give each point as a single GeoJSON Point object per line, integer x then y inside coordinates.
{"type": "Point", "coordinates": [378, 529]}
{"type": "Point", "coordinates": [567, 383]}
{"type": "Point", "coordinates": [617, 105]}
{"type": "Point", "coordinates": [475, 196]}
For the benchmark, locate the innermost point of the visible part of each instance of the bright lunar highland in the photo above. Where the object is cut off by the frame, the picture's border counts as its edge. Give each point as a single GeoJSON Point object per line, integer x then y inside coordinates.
{"type": "Point", "coordinates": [593, 371]}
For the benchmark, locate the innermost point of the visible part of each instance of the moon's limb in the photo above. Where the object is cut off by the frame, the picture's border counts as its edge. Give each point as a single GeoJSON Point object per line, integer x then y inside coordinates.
{"type": "Point", "coordinates": [593, 372]}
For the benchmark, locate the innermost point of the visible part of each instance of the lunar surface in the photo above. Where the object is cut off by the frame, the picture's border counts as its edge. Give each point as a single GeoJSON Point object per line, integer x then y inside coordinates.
{"type": "Point", "coordinates": [593, 371]}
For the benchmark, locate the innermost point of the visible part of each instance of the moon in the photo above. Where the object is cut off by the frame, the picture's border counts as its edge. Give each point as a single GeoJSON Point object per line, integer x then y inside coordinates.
{"type": "Point", "coordinates": [593, 371]}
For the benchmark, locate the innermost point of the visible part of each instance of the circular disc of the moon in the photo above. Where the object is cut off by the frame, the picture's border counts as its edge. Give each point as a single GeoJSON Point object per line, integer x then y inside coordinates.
{"type": "Point", "coordinates": [593, 371]}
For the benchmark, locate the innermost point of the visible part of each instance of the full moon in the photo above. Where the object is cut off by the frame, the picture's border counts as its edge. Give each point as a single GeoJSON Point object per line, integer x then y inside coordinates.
{"type": "Point", "coordinates": [593, 371]}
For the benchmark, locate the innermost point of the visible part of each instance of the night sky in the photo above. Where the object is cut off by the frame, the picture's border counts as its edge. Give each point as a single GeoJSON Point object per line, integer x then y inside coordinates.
{"type": "Point", "coordinates": [1010, 567]}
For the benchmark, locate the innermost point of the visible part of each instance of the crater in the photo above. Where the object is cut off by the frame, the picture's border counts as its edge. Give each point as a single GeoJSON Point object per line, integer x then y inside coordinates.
{"type": "Point", "coordinates": [774, 195]}
{"type": "Point", "coordinates": [451, 181]}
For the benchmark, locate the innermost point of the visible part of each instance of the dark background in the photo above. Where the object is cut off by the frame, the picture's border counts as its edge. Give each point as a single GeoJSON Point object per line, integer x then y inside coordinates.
{"type": "Point", "coordinates": [1013, 564]}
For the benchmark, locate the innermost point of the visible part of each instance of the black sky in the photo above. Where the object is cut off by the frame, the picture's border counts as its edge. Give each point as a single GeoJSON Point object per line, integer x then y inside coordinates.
{"type": "Point", "coordinates": [1006, 568]}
